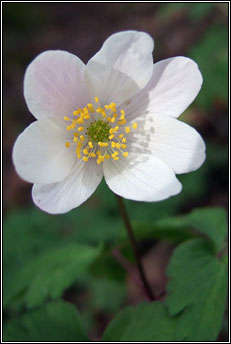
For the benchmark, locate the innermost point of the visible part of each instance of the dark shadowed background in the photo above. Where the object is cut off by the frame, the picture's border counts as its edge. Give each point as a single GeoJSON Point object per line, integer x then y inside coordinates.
{"type": "Point", "coordinates": [196, 30]}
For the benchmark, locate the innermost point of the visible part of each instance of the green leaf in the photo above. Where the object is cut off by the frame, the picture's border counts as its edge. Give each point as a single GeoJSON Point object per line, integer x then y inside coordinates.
{"type": "Point", "coordinates": [49, 273]}
{"type": "Point", "coordinates": [211, 54]}
{"type": "Point", "coordinates": [211, 222]}
{"type": "Point", "coordinates": [198, 288]}
{"type": "Point", "coordinates": [108, 295]}
{"type": "Point", "coordinates": [145, 322]}
{"type": "Point", "coordinates": [56, 321]}
{"type": "Point", "coordinates": [208, 222]}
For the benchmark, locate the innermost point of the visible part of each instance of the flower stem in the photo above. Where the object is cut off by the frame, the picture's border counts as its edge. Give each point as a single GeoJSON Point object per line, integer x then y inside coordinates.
{"type": "Point", "coordinates": [134, 246]}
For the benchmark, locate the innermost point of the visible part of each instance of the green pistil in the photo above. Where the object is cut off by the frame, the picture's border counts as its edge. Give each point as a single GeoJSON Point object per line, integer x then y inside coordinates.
{"type": "Point", "coordinates": [98, 131]}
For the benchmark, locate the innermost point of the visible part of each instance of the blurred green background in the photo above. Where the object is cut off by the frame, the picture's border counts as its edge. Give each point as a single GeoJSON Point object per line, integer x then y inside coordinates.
{"type": "Point", "coordinates": [196, 30]}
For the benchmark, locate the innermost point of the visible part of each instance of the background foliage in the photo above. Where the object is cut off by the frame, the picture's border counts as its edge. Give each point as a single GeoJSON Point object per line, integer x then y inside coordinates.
{"type": "Point", "coordinates": [63, 277]}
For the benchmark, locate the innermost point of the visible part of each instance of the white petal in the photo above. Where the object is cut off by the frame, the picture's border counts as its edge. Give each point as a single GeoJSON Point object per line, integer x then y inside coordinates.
{"type": "Point", "coordinates": [40, 154]}
{"type": "Point", "coordinates": [68, 194]}
{"type": "Point", "coordinates": [141, 177]}
{"type": "Point", "coordinates": [54, 84]}
{"type": "Point", "coordinates": [175, 143]}
{"type": "Point", "coordinates": [174, 85]}
{"type": "Point", "coordinates": [122, 67]}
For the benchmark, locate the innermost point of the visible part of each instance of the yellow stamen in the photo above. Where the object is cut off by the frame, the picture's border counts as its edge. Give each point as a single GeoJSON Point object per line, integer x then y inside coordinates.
{"type": "Point", "coordinates": [67, 144]}
{"type": "Point", "coordinates": [127, 130]}
{"type": "Point", "coordinates": [134, 125]}
{"type": "Point", "coordinates": [85, 158]}
{"type": "Point", "coordinates": [91, 107]}
{"type": "Point", "coordinates": [125, 154]}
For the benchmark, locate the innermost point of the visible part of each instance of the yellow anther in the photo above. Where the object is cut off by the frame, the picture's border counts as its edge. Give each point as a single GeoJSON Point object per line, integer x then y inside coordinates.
{"type": "Point", "coordinates": [91, 107]}
{"type": "Point", "coordinates": [67, 144]}
{"type": "Point", "coordinates": [116, 128]}
{"type": "Point", "coordinates": [80, 120]}
{"type": "Point", "coordinates": [111, 131]}
{"type": "Point", "coordinates": [109, 119]}
{"type": "Point", "coordinates": [82, 138]}
{"type": "Point", "coordinates": [107, 156]}
{"type": "Point", "coordinates": [75, 139]}
{"type": "Point", "coordinates": [92, 155]}
{"type": "Point", "coordinates": [76, 134]}
{"type": "Point", "coordinates": [77, 112]}
{"type": "Point", "coordinates": [115, 154]}
{"type": "Point", "coordinates": [68, 127]}
{"type": "Point", "coordinates": [96, 99]}
{"type": "Point", "coordinates": [113, 144]}
{"type": "Point", "coordinates": [125, 154]}
{"type": "Point", "coordinates": [98, 161]}
{"type": "Point", "coordinates": [123, 146]}
{"type": "Point", "coordinates": [105, 144]}
{"type": "Point", "coordinates": [99, 110]}
{"type": "Point", "coordinates": [106, 107]}
{"type": "Point", "coordinates": [122, 112]}
{"type": "Point", "coordinates": [120, 136]}
{"type": "Point", "coordinates": [127, 130]}
{"type": "Point", "coordinates": [101, 157]}
{"type": "Point", "coordinates": [100, 144]}
{"type": "Point", "coordinates": [66, 118]}
{"type": "Point", "coordinates": [117, 145]}
{"type": "Point", "coordinates": [90, 144]}
{"type": "Point", "coordinates": [124, 140]}
{"type": "Point", "coordinates": [113, 119]}
{"type": "Point", "coordinates": [122, 116]}
{"type": "Point", "coordinates": [87, 116]}
{"type": "Point", "coordinates": [115, 158]}
{"type": "Point", "coordinates": [111, 136]}
{"type": "Point", "coordinates": [85, 158]}
{"type": "Point", "coordinates": [134, 125]}
{"type": "Point", "coordinates": [98, 153]}
{"type": "Point", "coordinates": [80, 128]}
{"type": "Point", "coordinates": [122, 122]}
{"type": "Point", "coordinates": [85, 151]}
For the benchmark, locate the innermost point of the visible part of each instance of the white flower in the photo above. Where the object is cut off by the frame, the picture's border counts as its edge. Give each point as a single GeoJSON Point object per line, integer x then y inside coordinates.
{"type": "Point", "coordinates": [114, 117]}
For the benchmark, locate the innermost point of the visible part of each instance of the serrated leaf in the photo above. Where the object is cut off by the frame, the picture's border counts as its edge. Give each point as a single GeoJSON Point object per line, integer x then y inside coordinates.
{"type": "Point", "coordinates": [198, 288]}
{"type": "Point", "coordinates": [56, 321]}
{"type": "Point", "coordinates": [145, 322]}
{"type": "Point", "coordinates": [50, 273]}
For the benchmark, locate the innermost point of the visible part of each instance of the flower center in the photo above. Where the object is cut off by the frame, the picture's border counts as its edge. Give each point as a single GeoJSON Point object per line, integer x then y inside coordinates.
{"type": "Point", "coordinates": [99, 132]}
